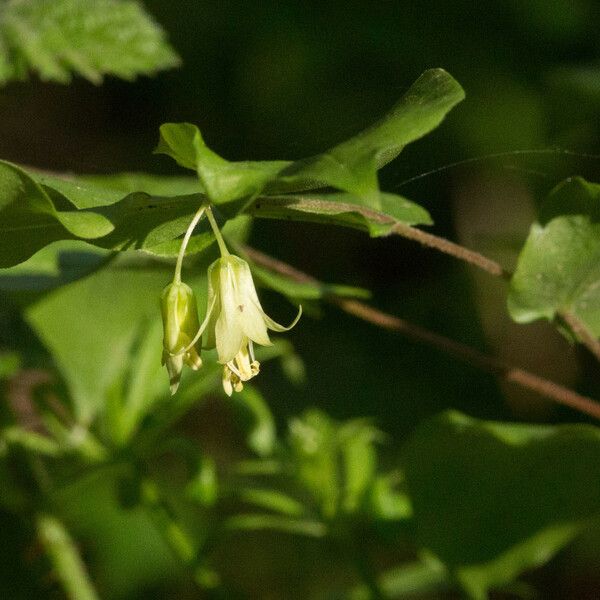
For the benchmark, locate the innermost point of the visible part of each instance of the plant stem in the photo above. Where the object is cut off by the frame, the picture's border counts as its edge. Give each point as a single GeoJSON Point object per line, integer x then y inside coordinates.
{"type": "Point", "coordinates": [493, 268]}
{"type": "Point", "coordinates": [506, 371]}
{"type": "Point", "coordinates": [186, 239]}
{"type": "Point", "coordinates": [217, 232]}
{"type": "Point", "coordinates": [447, 247]}
{"type": "Point", "coordinates": [553, 391]}
{"type": "Point", "coordinates": [65, 558]}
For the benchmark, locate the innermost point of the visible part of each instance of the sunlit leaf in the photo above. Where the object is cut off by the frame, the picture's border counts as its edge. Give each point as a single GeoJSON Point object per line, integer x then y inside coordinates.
{"type": "Point", "coordinates": [10, 363]}
{"type": "Point", "coordinates": [38, 209]}
{"type": "Point", "coordinates": [359, 455]}
{"type": "Point", "coordinates": [258, 522]}
{"type": "Point", "coordinates": [387, 501]}
{"type": "Point", "coordinates": [92, 327]}
{"type": "Point", "coordinates": [350, 166]}
{"type": "Point", "coordinates": [408, 581]}
{"type": "Point", "coordinates": [559, 268]}
{"type": "Point", "coordinates": [31, 219]}
{"type": "Point", "coordinates": [204, 485]}
{"type": "Point", "coordinates": [312, 438]}
{"type": "Point", "coordinates": [271, 500]}
{"type": "Point", "coordinates": [222, 180]}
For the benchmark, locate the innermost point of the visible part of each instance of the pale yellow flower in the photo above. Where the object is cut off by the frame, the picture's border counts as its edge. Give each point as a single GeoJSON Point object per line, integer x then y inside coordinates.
{"type": "Point", "coordinates": [235, 320]}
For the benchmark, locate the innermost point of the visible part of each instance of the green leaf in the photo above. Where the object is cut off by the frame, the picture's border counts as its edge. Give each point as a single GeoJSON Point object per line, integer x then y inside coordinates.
{"type": "Point", "coordinates": [30, 441]}
{"type": "Point", "coordinates": [407, 581]}
{"type": "Point", "coordinates": [91, 38]}
{"type": "Point", "coordinates": [147, 212]}
{"type": "Point", "coordinates": [558, 270]}
{"type": "Point", "coordinates": [257, 420]}
{"type": "Point", "coordinates": [293, 366]}
{"type": "Point", "coordinates": [204, 486]}
{"type": "Point", "coordinates": [151, 213]}
{"type": "Point", "coordinates": [53, 266]}
{"type": "Point", "coordinates": [138, 384]}
{"type": "Point", "coordinates": [128, 183]}
{"type": "Point", "coordinates": [271, 500]}
{"type": "Point", "coordinates": [343, 210]}
{"type": "Point", "coordinates": [258, 522]}
{"type": "Point", "coordinates": [10, 363]}
{"type": "Point", "coordinates": [38, 209]}
{"type": "Point", "coordinates": [92, 327]}
{"type": "Point", "coordinates": [312, 439]}
{"type": "Point", "coordinates": [352, 165]}
{"type": "Point", "coordinates": [387, 502]}
{"type": "Point", "coordinates": [304, 290]}
{"type": "Point", "coordinates": [31, 219]}
{"type": "Point", "coordinates": [491, 499]}
{"type": "Point", "coordinates": [65, 558]}
{"type": "Point", "coordinates": [222, 180]}
{"type": "Point", "coordinates": [359, 455]}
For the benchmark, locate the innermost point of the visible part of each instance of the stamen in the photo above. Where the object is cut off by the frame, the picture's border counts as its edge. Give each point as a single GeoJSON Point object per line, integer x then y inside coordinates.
{"type": "Point", "coordinates": [233, 368]}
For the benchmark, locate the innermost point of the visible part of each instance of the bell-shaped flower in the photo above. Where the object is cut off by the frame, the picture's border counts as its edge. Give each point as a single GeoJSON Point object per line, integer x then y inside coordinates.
{"type": "Point", "coordinates": [235, 320]}
{"type": "Point", "coordinates": [180, 326]}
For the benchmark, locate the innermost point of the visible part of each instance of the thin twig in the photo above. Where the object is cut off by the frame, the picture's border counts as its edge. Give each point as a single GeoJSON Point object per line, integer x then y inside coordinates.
{"type": "Point", "coordinates": [502, 369]}
{"type": "Point", "coordinates": [494, 268]}
{"type": "Point", "coordinates": [448, 247]}
{"type": "Point", "coordinates": [544, 387]}
{"type": "Point", "coordinates": [491, 267]}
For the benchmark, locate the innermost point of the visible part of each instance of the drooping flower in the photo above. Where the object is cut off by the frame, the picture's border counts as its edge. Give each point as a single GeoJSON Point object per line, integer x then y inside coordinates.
{"type": "Point", "coordinates": [235, 320]}
{"type": "Point", "coordinates": [180, 326]}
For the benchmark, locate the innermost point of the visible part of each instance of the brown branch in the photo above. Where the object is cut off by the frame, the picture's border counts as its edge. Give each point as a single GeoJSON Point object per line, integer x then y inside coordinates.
{"type": "Point", "coordinates": [544, 387]}
{"type": "Point", "coordinates": [494, 268]}
{"type": "Point", "coordinates": [448, 247]}
{"type": "Point", "coordinates": [553, 391]}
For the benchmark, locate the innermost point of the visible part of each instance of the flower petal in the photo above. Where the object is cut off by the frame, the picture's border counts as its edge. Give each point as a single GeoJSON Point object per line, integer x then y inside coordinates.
{"type": "Point", "coordinates": [214, 292]}
{"type": "Point", "coordinates": [274, 326]}
{"type": "Point", "coordinates": [229, 339]}
{"type": "Point", "coordinates": [247, 303]}
{"type": "Point", "coordinates": [253, 323]}
{"type": "Point", "coordinates": [228, 332]}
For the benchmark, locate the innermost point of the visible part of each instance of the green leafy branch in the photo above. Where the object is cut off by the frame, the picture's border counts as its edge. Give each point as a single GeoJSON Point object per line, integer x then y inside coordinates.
{"type": "Point", "coordinates": [556, 276]}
